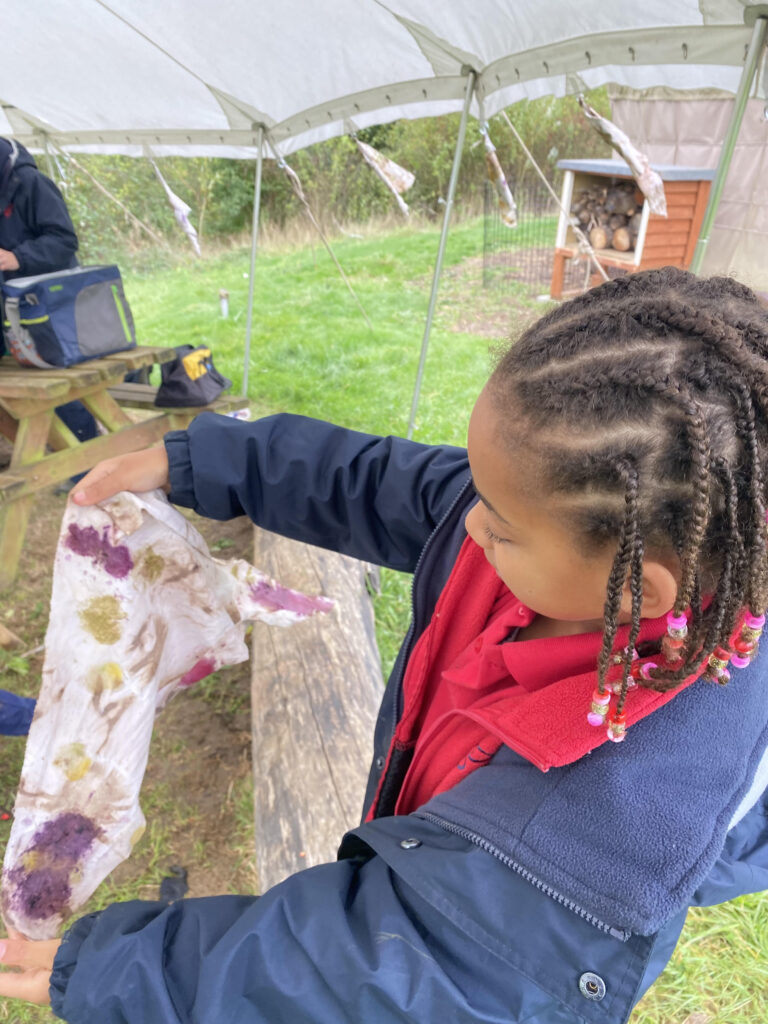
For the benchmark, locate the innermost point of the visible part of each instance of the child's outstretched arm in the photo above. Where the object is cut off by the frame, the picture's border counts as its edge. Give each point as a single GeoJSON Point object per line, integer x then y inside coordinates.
{"type": "Point", "coordinates": [416, 924]}
{"type": "Point", "coordinates": [375, 498]}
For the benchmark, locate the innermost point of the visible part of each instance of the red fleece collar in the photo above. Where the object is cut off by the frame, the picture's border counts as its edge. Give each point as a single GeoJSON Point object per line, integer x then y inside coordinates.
{"type": "Point", "coordinates": [541, 714]}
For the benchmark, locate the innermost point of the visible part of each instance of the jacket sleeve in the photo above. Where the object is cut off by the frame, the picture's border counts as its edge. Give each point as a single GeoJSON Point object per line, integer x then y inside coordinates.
{"type": "Point", "coordinates": [414, 924]}
{"type": "Point", "coordinates": [375, 498]}
{"type": "Point", "coordinates": [47, 218]}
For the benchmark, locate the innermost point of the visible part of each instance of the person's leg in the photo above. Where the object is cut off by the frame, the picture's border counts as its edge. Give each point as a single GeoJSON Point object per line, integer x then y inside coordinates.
{"type": "Point", "coordinates": [78, 419]}
{"type": "Point", "coordinates": [82, 424]}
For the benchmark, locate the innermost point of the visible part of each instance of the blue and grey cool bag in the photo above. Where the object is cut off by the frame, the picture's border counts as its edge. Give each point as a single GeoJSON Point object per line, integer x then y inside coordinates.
{"type": "Point", "coordinates": [67, 317]}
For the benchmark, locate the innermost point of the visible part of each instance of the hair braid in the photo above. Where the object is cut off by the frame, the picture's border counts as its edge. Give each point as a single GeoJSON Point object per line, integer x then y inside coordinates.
{"type": "Point", "coordinates": [621, 565]}
{"type": "Point", "coordinates": [646, 403]}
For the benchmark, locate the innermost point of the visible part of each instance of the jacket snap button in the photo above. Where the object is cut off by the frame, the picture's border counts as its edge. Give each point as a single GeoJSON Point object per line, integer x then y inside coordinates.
{"type": "Point", "coordinates": [379, 763]}
{"type": "Point", "coordinates": [410, 844]}
{"type": "Point", "coordinates": [591, 985]}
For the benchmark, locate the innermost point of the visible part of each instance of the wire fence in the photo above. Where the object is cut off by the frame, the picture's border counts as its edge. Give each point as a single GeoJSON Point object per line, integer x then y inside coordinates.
{"type": "Point", "coordinates": [520, 259]}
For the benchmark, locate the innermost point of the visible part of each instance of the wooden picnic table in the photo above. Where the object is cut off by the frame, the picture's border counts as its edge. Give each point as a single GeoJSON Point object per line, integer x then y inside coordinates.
{"type": "Point", "coordinates": [46, 452]}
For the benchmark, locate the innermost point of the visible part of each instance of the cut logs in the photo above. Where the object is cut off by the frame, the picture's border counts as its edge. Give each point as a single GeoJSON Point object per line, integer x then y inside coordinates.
{"type": "Point", "coordinates": [610, 215]}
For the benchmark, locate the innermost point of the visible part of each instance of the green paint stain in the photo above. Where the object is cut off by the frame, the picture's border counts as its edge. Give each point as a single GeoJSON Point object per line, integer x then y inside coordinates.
{"type": "Point", "coordinates": [101, 618]}
{"type": "Point", "coordinates": [108, 676]}
{"type": "Point", "coordinates": [73, 761]}
{"type": "Point", "coordinates": [151, 565]}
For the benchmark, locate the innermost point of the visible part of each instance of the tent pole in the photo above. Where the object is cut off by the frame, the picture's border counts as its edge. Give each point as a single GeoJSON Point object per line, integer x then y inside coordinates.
{"type": "Point", "coordinates": [254, 243]}
{"type": "Point", "coordinates": [756, 46]}
{"type": "Point", "coordinates": [471, 78]}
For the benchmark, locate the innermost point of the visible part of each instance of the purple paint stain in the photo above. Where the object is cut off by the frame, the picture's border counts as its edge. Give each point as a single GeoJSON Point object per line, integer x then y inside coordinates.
{"type": "Point", "coordinates": [41, 893]}
{"type": "Point", "coordinates": [68, 837]}
{"type": "Point", "coordinates": [199, 670]}
{"type": "Point", "coordinates": [115, 559]}
{"type": "Point", "coordinates": [275, 598]}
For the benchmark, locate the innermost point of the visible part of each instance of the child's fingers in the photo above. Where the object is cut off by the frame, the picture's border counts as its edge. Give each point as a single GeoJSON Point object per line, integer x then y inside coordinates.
{"type": "Point", "coordinates": [96, 485]}
{"type": "Point", "coordinates": [136, 471]}
{"type": "Point", "coordinates": [29, 955]}
{"type": "Point", "coordinates": [32, 986]}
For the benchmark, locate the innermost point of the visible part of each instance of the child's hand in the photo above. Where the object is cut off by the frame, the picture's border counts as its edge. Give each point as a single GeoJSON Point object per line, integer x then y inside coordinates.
{"type": "Point", "coordinates": [136, 471]}
{"type": "Point", "coordinates": [33, 962]}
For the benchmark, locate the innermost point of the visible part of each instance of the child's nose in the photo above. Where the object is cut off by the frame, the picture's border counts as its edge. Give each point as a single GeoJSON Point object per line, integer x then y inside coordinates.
{"type": "Point", "coordinates": [474, 526]}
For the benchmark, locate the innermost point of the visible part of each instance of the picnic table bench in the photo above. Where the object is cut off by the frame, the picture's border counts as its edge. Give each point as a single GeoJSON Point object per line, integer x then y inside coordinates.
{"type": "Point", "coordinates": [46, 452]}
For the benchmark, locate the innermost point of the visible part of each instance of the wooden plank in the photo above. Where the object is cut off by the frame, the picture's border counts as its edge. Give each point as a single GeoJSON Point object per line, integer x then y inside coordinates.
{"type": "Point", "coordinates": [316, 688]}
{"type": "Point", "coordinates": [674, 239]}
{"type": "Point", "coordinates": [13, 528]}
{"type": "Point", "coordinates": [106, 410]}
{"type": "Point", "coordinates": [107, 369]}
{"type": "Point", "coordinates": [558, 276]}
{"type": "Point", "coordinates": [56, 467]}
{"type": "Point", "coordinates": [31, 436]}
{"type": "Point", "coordinates": [8, 425]}
{"type": "Point", "coordinates": [143, 355]}
{"type": "Point", "coordinates": [131, 394]}
{"type": "Point", "coordinates": [18, 385]}
{"type": "Point", "coordinates": [26, 405]}
{"type": "Point", "coordinates": [60, 437]}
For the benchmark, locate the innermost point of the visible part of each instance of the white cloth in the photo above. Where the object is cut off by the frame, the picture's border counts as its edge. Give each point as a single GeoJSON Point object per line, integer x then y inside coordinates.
{"type": "Point", "coordinates": [139, 610]}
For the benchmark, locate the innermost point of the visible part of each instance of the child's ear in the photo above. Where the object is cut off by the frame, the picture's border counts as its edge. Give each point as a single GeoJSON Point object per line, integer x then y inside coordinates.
{"type": "Point", "coordinates": [659, 591]}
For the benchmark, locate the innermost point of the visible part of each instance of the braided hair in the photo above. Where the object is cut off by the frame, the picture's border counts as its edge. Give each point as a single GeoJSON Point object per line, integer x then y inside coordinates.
{"type": "Point", "coordinates": [645, 401]}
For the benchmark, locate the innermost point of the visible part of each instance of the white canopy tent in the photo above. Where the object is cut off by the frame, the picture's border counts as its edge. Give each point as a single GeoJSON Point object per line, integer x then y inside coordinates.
{"type": "Point", "coordinates": [194, 78]}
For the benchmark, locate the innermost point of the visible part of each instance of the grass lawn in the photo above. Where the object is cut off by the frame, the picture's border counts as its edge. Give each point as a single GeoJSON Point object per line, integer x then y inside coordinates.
{"type": "Point", "coordinates": [312, 353]}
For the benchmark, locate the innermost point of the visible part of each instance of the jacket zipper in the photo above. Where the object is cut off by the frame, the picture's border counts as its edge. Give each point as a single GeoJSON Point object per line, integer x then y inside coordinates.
{"type": "Point", "coordinates": [408, 642]}
{"type": "Point", "coordinates": [558, 897]}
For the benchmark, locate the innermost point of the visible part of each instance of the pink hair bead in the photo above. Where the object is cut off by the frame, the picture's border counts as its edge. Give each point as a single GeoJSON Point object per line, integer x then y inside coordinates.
{"type": "Point", "coordinates": [738, 661]}
{"type": "Point", "coordinates": [646, 669]}
{"type": "Point", "coordinates": [594, 719]}
{"type": "Point", "coordinates": [676, 621]}
{"type": "Point", "coordinates": [754, 621]}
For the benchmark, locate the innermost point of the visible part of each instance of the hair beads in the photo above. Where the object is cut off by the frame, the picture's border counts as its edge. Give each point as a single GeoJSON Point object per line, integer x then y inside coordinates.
{"type": "Point", "coordinates": [673, 644]}
{"type": "Point", "coordinates": [644, 405]}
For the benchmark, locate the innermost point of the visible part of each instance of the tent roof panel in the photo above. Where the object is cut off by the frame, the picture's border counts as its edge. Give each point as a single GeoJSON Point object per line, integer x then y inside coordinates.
{"type": "Point", "coordinates": [117, 73]}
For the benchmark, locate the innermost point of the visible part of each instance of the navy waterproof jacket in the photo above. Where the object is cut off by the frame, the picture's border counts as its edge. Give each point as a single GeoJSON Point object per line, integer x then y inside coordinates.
{"type": "Point", "coordinates": [34, 221]}
{"type": "Point", "coordinates": [517, 896]}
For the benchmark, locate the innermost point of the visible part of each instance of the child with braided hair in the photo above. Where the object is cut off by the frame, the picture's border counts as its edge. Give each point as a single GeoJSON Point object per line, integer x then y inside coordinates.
{"type": "Point", "coordinates": [559, 768]}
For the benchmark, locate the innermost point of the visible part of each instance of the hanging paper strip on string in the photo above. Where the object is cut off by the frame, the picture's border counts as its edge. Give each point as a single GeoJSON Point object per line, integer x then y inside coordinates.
{"type": "Point", "coordinates": [648, 180]}
{"type": "Point", "coordinates": [395, 177]}
{"type": "Point", "coordinates": [139, 611]}
{"type": "Point", "coordinates": [507, 204]}
{"type": "Point", "coordinates": [181, 210]}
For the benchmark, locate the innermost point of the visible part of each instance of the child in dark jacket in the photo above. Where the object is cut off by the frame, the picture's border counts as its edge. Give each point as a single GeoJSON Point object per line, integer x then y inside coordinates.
{"type": "Point", "coordinates": [559, 769]}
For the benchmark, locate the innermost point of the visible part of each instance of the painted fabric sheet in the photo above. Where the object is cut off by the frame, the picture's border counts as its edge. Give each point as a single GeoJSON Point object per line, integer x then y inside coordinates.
{"type": "Point", "coordinates": [395, 177]}
{"type": "Point", "coordinates": [507, 205]}
{"type": "Point", "coordinates": [139, 611]}
{"type": "Point", "coordinates": [648, 180]}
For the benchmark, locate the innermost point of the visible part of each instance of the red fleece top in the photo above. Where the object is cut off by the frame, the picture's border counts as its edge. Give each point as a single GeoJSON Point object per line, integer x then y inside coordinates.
{"type": "Point", "coordinates": [466, 693]}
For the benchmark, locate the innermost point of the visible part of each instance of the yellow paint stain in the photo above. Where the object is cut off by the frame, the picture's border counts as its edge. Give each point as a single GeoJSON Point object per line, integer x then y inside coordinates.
{"type": "Point", "coordinates": [151, 565]}
{"type": "Point", "coordinates": [101, 618]}
{"type": "Point", "coordinates": [108, 676]}
{"type": "Point", "coordinates": [73, 761]}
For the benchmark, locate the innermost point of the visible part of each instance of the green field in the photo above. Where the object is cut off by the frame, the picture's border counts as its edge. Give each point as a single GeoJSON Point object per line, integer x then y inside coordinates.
{"type": "Point", "coordinates": [312, 353]}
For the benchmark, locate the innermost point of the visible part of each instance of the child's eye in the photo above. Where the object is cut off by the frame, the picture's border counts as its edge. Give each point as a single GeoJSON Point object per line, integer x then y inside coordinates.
{"type": "Point", "coordinates": [494, 537]}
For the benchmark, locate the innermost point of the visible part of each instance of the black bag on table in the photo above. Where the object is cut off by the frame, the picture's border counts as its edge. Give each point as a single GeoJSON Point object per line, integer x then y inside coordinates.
{"type": "Point", "coordinates": [190, 379]}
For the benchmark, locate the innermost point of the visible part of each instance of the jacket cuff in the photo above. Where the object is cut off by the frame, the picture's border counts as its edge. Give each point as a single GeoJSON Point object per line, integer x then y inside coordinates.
{"type": "Point", "coordinates": [180, 468]}
{"type": "Point", "coordinates": [66, 961]}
